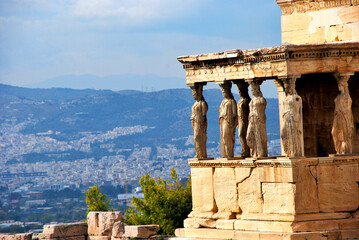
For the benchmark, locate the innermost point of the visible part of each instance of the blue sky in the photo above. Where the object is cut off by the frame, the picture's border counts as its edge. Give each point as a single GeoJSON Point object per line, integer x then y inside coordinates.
{"type": "Point", "coordinates": [43, 39]}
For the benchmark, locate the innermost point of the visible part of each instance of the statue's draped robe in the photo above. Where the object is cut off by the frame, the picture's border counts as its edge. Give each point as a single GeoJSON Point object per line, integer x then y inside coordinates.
{"type": "Point", "coordinates": [227, 125]}
{"type": "Point", "coordinates": [291, 132]}
{"type": "Point", "coordinates": [199, 126]}
{"type": "Point", "coordinates": [257, 132]}
{"type": "Point", "coordinates": [243, 114]}
{"type": "Point", "coordinates": [343, 124]}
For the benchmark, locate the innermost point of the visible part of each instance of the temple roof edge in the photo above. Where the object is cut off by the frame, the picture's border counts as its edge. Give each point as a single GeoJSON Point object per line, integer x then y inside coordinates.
{"type": "Point", "coordinates": [255, 53]}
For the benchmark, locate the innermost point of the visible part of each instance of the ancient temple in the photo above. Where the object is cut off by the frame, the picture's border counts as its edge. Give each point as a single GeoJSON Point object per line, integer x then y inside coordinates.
{"type": "Point", "coordinates": [311, 191]}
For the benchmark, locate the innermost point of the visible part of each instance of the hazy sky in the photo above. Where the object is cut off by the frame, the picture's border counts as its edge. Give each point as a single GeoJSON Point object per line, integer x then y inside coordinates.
{"type": "Point", "coordinates": [42, 39]}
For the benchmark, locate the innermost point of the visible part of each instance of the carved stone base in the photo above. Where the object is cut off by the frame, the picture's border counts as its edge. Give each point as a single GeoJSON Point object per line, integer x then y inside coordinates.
{"type": "Point", "coordinates": [274, 198]}
{"type": "Point", "coordinates": [214, 234]}
{"type": "Point", "coordinates": [344, 155]}
{"type": "Point", "coordinates": [200, 159]}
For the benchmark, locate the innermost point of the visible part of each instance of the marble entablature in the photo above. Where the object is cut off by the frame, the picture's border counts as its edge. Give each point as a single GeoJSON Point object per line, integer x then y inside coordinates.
{"type": "Point", "coordinates": [311, 190]}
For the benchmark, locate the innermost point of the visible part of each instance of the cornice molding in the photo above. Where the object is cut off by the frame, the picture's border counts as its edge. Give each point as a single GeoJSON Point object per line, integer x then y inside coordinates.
{"type": "Point", "coordinates": [279, 162]}
{"type": "Point", "coordinates": [300, 6]}
{"type": "Point", "coordinates": [282, 53]}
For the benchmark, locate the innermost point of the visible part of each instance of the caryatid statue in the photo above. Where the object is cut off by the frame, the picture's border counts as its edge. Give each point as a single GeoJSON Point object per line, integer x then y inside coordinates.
{"type": "Point", "coordinates": [227, 121]}
{"type": "Point", "coordinates": [292, 127]}
{"type": "Point", "coordinates": [199, 121]}
{"type": "Point", "coordinates": [257, 132]}
{"type": "Point", "coordinates": [243, 114]}
{"type": "Point", "coordinates": [343, 123]}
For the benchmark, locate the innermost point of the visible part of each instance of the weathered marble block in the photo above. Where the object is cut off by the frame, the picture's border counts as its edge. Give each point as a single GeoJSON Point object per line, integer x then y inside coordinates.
{"type": "Point", "coordinates": [278, 198]}
{"type": "Point", "coordinates": [118, 229]}
{"type": "Point", "coordinates": [250, 197]}
{"type": "Point", "coordinates": [225, 191]}
{"type": "Point", "coordinates": [19, 236]}
{"type": "Point", "coordinates": [202, 190]}
{"type": "Point", "coordinates": [142, 231]}
{"type": "Point", "coordinates": [65, 231]}
{"type": "Point", "coordinates": [101, 223]}
{"type": "Point", "coordinates": [306, 192]}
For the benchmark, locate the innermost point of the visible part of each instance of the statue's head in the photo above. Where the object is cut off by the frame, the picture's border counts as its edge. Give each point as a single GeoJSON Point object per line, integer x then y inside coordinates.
{"type": "Point", "coordinates": [197, 91]}
{"type": "Point", "coordinates": [226, 90]}
{"type": "Point", "coordinates": [256, 92]}
{"type": "Point", "coordinates": [342, 85]}
{"type": "Point", "coordinates": [289, 86]}
{"type": "Point", "coordinates": [242, 89]}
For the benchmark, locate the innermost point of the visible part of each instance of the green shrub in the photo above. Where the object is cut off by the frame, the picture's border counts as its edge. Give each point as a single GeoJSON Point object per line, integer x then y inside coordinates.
{"type": "Point", "coordinates": [97, 201]}
{"type": "Point", "coordinates": [166, 203]}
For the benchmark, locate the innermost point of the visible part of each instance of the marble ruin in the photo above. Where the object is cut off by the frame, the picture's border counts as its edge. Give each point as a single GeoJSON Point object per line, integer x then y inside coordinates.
{"type": "Point", "coordinates": [343, 123]}
{"type": "Point", "coordinates": [292, 127]}
{"type": "Point", "coordinates": [199, 121]}
{"type": "Point", "coordinates": [99, 226]}
{"type": "Point", "coordinates": [227, 121]}
{"type": "Point", "coordinates": [257, 131]}
{"type": "Point", "coordinates": [243, 114]}
{"type": "Point", "coordinates": [311, 190]}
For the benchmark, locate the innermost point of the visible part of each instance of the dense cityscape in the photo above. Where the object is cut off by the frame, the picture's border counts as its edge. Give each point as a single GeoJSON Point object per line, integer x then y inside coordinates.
{"type": "Point", "coordinates": [49, 162]}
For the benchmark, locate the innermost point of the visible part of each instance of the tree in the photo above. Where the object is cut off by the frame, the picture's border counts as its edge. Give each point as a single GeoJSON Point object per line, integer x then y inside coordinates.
{"type": "Point", "coordinates": [97, 201]}
{"type": "Point", "coordinates": [166, 203]}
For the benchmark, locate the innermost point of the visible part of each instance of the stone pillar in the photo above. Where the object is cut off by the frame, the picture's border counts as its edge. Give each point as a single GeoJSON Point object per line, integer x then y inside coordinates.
{"type": "Point", "coordinates": [281, 96]}
{"type": "Point", "coordinates": [227, 121]}
{"type": "Point", "coordinates": [343, 124]}
{"type": "Point", "coordinates": [291, 129]}
{"type": "Point", "coordinates": [199, 121]}
{"type": "Point", "coordinates": [243, 115]}
{"type": "Point", "coordinates": [257, 132]}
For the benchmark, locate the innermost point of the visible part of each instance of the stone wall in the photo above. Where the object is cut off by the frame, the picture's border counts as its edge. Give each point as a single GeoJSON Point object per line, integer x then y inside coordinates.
{"type": "Point", "coordinates": [275, 195]}
{"type": "Point", "coordinates": [322, 21]}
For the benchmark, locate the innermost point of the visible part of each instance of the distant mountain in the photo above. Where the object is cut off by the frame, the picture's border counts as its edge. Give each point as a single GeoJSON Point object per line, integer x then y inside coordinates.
{"type": "Point", "coordinates": [145, 83]}
{"type": "Point", "coordinates": [71, 111]}
{"type": "Point", "coordinates": [114, 82]}
{"type": "Point", "coordinates": [55, 94]}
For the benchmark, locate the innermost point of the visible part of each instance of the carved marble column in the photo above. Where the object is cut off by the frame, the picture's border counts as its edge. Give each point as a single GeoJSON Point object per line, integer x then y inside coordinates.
{"type": "Point", "coordinates": [243, 115]}
{"type": "Point", "coordinates": [281, 98]}
{"type": "Point", "coordinates": [257, 132]}
{"type": "Point", "coordinates": [343, 123]}
{"type": "Point", "coordinates": [292, 120]}
{"type": "Point", "coordinates": [227, 121]}
{"type": "Point", "coordinates": [199, 121]}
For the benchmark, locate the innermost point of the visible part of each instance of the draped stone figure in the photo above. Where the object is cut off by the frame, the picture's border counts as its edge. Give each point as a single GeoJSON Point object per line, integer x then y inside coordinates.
{"type": "Point", "coordinates": [343, 123]}
{"type": "Point", "coordinates": [243, 114]}
{"type": "Point", "coordinates": [199, 121]}
{"type": "Point", "coordinates": [292, 127]}
{"type": "Point", "coordinates": [227, 121]}
{"type": "Point", "coordinates": [257, 132]}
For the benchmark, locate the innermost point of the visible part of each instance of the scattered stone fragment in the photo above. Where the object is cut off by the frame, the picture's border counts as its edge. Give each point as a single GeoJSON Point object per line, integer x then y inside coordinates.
{"type": "Point", "coordinates": [142, 231]}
